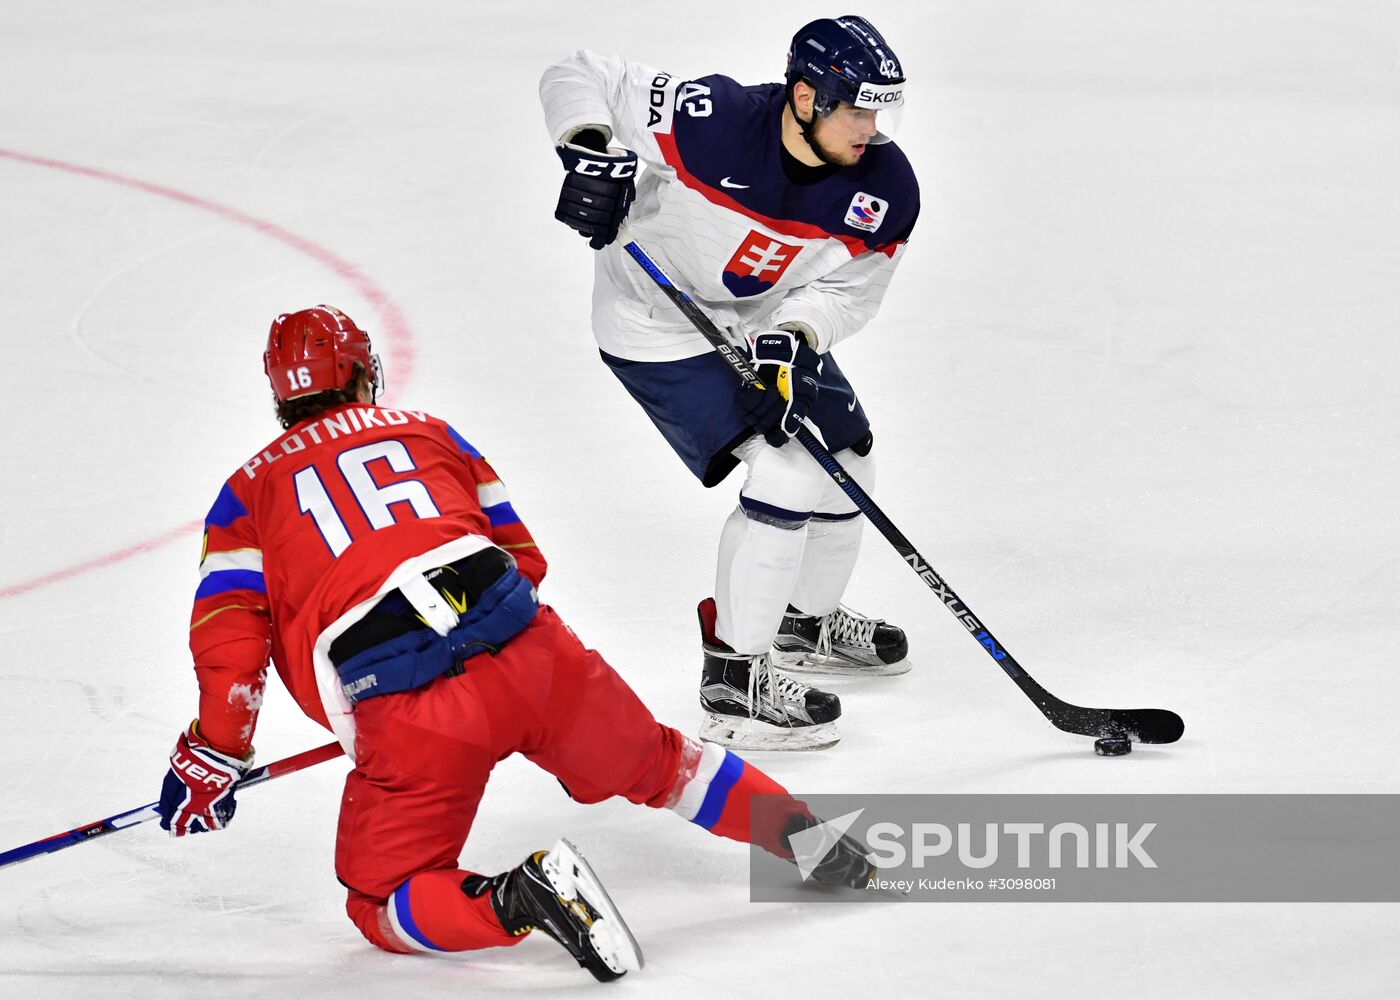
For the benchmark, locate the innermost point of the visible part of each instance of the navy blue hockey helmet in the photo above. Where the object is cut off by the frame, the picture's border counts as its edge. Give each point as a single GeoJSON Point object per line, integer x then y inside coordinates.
{"type": "Point", "coordinates": [845, 59]}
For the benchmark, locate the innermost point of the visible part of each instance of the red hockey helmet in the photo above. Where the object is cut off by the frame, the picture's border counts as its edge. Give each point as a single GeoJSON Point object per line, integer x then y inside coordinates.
{"type": "Point", "coordinates": [315, 350]}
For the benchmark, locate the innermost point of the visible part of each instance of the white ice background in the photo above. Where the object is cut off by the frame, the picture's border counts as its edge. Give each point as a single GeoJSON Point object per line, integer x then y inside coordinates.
{"type": "Point", "coordinates": [1133, 390]}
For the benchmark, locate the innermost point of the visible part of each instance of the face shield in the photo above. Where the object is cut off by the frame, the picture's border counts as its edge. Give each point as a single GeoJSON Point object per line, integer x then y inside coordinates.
{"type": "Point", "coordinates": [376, 376]}
{"type": "Point", "coordinates": [877, 110]}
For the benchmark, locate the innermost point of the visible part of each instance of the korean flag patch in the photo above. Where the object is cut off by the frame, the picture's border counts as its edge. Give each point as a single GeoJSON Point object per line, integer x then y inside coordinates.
{"type": "Point", "coordinates": [866, 212]}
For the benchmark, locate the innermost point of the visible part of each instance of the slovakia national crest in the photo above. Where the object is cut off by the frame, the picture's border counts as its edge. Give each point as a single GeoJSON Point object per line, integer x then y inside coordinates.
{"type": "Point", "coordinates": [866, 212]}
{"type": "Point", "coordinates": [758, 264]}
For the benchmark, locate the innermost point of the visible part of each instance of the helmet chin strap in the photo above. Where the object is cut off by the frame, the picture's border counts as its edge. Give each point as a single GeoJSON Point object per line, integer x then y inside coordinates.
{"type": "Point", "coordinates": [807, 127]}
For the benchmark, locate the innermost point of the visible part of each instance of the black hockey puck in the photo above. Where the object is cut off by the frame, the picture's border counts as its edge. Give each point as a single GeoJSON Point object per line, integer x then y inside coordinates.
{"type": "Point", "coordinates": [1113, 746]}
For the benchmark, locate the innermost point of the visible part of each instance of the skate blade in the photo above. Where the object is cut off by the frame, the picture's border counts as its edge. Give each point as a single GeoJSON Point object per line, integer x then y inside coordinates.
{"type": "Point", "coordinates": [572, 877]}
{"type": "Point", "coordinates": [753, 734]}
{"type": "Point", "coordinates": [805, 662]}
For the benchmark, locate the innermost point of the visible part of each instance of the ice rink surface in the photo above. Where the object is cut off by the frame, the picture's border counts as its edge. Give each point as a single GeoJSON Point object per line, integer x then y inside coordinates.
{"type": "Point", "coordinates": [1134, 395]}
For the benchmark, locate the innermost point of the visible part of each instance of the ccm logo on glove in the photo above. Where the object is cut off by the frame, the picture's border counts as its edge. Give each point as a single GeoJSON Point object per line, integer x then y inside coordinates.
{"type": "Point", "coordinates": [599, 168]}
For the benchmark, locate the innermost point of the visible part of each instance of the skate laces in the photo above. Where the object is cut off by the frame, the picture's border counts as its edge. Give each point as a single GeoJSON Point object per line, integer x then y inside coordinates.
{"type": "Point", "coordinates": [770, 686]}
{"type": "Point", "coordinates": [847, 627]}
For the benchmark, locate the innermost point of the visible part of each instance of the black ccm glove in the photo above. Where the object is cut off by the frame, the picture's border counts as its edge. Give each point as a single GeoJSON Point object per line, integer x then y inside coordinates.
{"type": "Point", "coordinates": [788, 369]}
{"type": "Point", "coordinates": [598, 188]}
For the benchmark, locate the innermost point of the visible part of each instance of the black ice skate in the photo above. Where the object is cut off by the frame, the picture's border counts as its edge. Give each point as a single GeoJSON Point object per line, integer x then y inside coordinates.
{"type": "Point", "coordinates": [557, 892]}
{"type": "Point", "coordinates": [827, 859]}
{"type": "Point", "coordinates": [844, 643]}
{"type": "Point", "coordinates": [750, 705]}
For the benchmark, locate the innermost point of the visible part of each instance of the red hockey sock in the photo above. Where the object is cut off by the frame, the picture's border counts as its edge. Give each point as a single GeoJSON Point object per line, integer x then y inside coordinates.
{"type": "Point", "coordinates": [715, 789]}
{"type": "Point", "coordinates": [430, 913]}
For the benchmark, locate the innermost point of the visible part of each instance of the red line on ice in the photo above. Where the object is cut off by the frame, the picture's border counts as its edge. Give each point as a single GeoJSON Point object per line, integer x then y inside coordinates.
{"type": "Point", "coordinates": [400, 350]}
{"type": "Point", "coordinates": [183, 531]}
{"type": "Point", "coordinates": [391, 320]}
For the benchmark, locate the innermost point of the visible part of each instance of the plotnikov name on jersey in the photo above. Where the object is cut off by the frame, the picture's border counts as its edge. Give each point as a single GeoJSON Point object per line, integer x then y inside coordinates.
{"type": "Point", "coordinates": [345, 423]}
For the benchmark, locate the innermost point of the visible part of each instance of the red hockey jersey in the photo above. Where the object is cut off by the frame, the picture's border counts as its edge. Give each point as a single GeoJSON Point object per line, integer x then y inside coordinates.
{"type": "Point", "coordinates": [313, 525]}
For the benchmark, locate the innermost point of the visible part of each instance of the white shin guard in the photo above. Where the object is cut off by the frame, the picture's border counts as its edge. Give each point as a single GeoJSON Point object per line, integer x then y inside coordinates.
{"type": "Point", "coordinates": [758, 565]}
{"type": "Point", "coordinates": [832, 546]}
{"type": "Point", "coordinates": [766, 563]}
{"type": "Point", "coordinates": [828, 559]}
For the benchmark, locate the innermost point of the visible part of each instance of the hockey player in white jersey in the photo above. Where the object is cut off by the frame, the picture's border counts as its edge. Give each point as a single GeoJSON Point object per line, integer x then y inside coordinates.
{"type": "Point", "coordinates": [783, 210]}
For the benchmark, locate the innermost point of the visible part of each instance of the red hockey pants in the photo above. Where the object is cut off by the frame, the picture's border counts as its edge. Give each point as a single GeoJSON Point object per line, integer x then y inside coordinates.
{"type": "Point", "coordinates": [423, 758]}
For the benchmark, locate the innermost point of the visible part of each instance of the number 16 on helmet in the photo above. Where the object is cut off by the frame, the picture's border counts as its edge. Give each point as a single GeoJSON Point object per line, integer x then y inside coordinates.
{"type": "Point", "coordinates": [315, 350]}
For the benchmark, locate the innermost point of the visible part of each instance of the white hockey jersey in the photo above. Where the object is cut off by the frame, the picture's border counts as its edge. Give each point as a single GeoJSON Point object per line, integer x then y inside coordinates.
{"type": "Point", "coordinates": [716, 210]}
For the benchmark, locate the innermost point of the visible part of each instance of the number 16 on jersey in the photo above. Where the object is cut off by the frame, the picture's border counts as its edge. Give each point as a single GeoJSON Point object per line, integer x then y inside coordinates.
{"type": "Point", "coordinates": [374, 500]}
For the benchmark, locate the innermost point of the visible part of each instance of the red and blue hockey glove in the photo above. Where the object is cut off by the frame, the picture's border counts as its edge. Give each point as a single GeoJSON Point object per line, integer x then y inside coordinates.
{"type": "Point", "coordinates": [198, 792]}
{"type": "Point", "coordinates": [788, 369]}
{"type": "Point", "coordinates": [598, 188]}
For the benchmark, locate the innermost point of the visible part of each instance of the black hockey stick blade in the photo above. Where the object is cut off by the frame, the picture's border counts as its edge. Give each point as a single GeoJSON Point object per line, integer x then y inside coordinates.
{"type": "Point", "coordinates": [1141, 725]}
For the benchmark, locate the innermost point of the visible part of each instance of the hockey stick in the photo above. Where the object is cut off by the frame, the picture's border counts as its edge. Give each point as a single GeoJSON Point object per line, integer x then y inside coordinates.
{"type": "Point", "coordinates": [1142, 725]}
{"type": "Point", "coordinates": [146, 813]}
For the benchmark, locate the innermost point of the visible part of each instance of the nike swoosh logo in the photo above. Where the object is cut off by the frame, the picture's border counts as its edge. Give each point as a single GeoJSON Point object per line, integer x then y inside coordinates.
{"type": "Point", "coordinates": [727, 183]}
{"type": "Point", "coordinates": [852, 406]}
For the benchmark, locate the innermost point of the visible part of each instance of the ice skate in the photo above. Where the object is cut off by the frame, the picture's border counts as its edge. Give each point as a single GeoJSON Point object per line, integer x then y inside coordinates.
{"type": "Point", "coordinates": [827, 858]}
{"type": "Point", "coordinates": [752, 706]}
{"type": "Point", "coordinates": [842, 643]}
{"type": "Point", "coordinates": [557, 892]}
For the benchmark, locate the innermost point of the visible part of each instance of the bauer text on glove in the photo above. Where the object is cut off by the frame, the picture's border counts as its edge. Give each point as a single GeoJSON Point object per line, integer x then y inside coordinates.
{"type": "Point", "coordinates": [198, 793]}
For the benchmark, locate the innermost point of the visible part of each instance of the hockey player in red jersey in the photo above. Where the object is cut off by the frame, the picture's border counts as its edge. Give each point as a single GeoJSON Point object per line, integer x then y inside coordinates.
{"type": "Point", "coordinates": [375, 557]}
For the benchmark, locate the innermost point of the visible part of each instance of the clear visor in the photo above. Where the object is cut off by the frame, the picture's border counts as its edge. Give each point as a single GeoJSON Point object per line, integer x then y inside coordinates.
{"type": "Point", "coordinates": [877, 112]}
{"type": "Point", "coordinates": [376, 375]}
